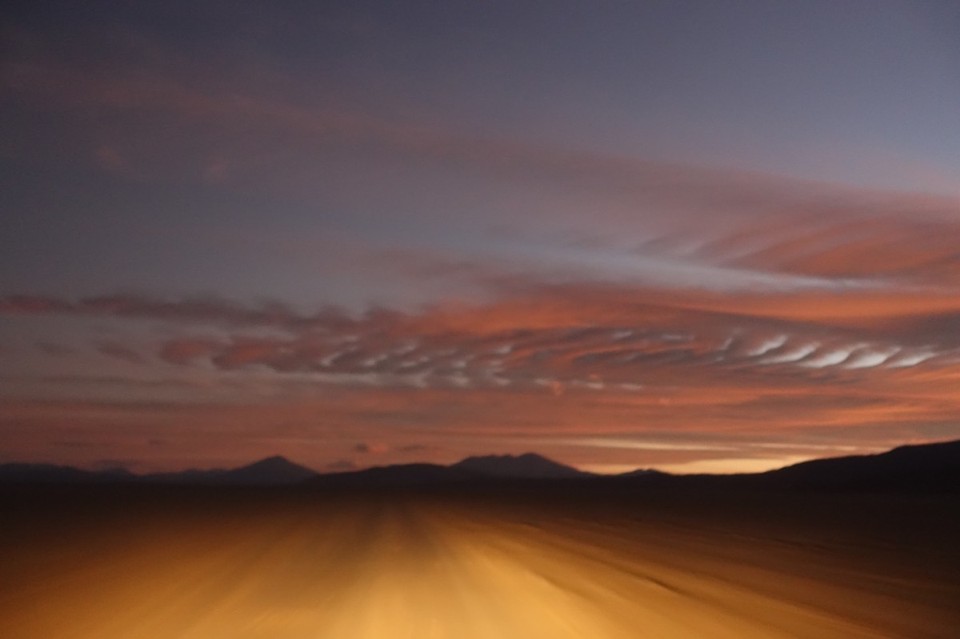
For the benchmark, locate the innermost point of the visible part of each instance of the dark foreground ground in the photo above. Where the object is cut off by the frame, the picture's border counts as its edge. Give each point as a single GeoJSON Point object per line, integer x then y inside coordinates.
{"type": "Point", "coordinates": [102, 562]}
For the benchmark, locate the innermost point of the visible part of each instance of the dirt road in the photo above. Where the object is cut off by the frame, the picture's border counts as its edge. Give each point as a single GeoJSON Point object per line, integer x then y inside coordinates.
{"type": "Point", "coordinates": [418, 569]}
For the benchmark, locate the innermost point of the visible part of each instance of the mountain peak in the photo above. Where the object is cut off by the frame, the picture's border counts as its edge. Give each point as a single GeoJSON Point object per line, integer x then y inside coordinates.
{"type": "Point", "coordinates": [270, 470]}
{"type": "Point", "coordinates": [526, 465]}
{"type": "Point", "coordinates": [272, 461]}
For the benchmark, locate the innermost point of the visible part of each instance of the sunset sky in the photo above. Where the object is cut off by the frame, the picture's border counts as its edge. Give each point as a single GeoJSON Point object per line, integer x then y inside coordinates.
{"type": "Point", "coordinates": [696, 236]}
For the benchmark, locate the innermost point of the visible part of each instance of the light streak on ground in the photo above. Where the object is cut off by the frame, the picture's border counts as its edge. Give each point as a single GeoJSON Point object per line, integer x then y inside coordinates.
{"type": "Point", "coordinates": [394, 568]}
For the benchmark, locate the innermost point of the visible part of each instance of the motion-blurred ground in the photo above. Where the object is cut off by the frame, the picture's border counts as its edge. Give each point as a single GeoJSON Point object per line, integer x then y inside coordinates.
{"type": "Point", "coordinates": [152, 563]}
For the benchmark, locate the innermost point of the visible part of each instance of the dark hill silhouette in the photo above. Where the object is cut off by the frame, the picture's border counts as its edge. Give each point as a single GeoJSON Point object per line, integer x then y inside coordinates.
{"type": "Point", "coordinates": [643, 472]}
{"type": "Point", "coordinates": [54, 474]}
{"type": "Point", "coordinates": [470, 470]}
{"type": "Point", "coordinates": [272, 471]}
{"type": "Point", "coordinates": [918, 468]}
{"type": "Point", "coordinates": [398, 476]}
{"type": "Point", "coordinates": [526, 466]}
{"type": "Point", "coordinates": [189, 476]}
{"type": "Point", "coordinates": [923, 467]}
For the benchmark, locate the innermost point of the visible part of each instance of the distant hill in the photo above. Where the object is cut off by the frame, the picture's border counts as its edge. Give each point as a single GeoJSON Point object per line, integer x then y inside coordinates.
{"type": "Point", "coordinates": [54, 474]}
{"type": "Point", "coordinates": [275, 470]}
{"type": "Point", "coordinates": [470, 470]}
{"type": "Point", "coordinates": [923, 467]}
{"type": "Point", "coordinates": [526, 466]}
{"type": "Point", "coordinates": [643, 472]}
{"type": "Point", "coordinates": [397, 476]}
{"type": "Point", "coordinates": [272, 471]}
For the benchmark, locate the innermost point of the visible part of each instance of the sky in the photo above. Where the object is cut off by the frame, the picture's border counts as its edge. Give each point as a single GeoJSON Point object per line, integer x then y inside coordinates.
{"type": "Point", "coordinates": [693, 236]}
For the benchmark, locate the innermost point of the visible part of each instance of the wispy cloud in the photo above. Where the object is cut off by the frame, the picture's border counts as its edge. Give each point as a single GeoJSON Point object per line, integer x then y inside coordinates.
{"type": "Point", "coordinates": [277, 140]}
{"type": "Point", "coordinates": [557, 363]}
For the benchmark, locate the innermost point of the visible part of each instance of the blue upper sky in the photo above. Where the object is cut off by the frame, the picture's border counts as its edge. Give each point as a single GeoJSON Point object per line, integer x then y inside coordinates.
{"type": "Point", "coordinates": [124, 123]}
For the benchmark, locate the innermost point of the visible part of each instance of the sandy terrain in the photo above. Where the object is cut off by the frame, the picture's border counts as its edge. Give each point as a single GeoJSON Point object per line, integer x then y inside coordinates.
{"type": "Point", "coordinates": [393, 567]}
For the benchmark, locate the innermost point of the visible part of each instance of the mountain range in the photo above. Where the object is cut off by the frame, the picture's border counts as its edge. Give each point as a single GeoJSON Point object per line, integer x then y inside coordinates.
{"type": "Point", "coordinates": [924, 467]}
{"type": "Point", "coordinates": [272, 471]}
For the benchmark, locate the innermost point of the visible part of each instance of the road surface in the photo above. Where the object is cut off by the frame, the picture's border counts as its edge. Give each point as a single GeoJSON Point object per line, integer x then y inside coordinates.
{"type": "Point", "coordinates": [394, 568]}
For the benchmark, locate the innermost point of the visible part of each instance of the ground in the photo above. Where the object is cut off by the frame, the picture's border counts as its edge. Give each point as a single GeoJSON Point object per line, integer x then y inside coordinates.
{"type": "Point", "coordinates": [234, 564]}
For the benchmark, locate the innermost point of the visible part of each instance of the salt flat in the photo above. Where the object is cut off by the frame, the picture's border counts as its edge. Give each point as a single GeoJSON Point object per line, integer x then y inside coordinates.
{"type": "Point", "coordinates": [396, 566]}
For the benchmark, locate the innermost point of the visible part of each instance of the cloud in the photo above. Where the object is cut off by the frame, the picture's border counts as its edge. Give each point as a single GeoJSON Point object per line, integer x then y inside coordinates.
{"type": "Point", "coordinates": [197, 310]}
{"type": "Point", "coordinates": [278, 141]}
{"type": "Point", "coordinates": [370, 448]}
{"type": "Point", "coordinates": [559, 337]}
{"type": "Point", "coordinates": [548, 215]}
{"type": "Point", "coordinates": [185, 351]}
{"type": "Point", "coordinates": [419, 448]}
